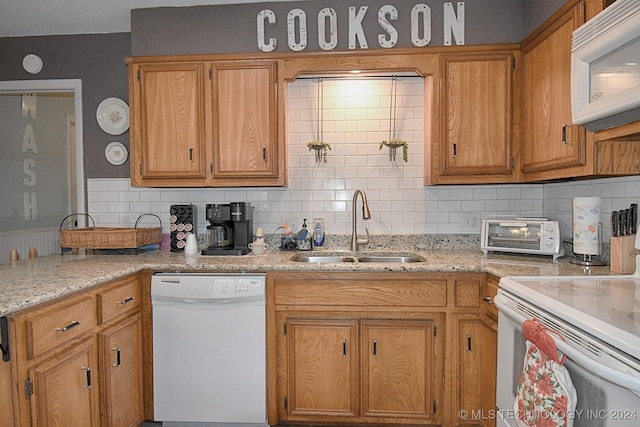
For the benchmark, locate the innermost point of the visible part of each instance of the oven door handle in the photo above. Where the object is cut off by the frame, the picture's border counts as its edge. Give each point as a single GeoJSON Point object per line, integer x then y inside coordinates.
{"type": "Point", "coordinates": [611, 375]}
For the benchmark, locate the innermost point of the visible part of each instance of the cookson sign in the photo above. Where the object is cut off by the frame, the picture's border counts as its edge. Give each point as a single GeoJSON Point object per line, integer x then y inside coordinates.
{"type": "Point", "coordinates": [387, 37]}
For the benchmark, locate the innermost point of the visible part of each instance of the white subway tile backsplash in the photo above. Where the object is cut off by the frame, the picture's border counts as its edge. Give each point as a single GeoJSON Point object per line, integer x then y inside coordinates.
{"type": "Point", "coordinates": [356, 117]}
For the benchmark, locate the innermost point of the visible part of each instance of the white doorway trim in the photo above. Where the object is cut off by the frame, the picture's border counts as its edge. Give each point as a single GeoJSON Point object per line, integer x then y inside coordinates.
{"type": "Point", "coordinates": [62, 85]}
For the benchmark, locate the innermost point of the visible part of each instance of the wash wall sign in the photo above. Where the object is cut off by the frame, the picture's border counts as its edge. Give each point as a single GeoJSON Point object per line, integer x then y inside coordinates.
{"type": "Point", "coordinates": [386, 33]}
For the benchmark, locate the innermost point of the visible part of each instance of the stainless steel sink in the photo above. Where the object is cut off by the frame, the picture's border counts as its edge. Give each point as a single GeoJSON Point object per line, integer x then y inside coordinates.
{"type": "Point", "coordinates": [394, 259]}
{"type": "Point", "coordinates": [401, 258]}
{"type": "Point", "coordinates": [300, 257]}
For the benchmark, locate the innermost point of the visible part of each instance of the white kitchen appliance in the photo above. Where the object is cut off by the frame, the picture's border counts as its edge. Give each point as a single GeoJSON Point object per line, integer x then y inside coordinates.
{"type": "Point", "coordinates": [599, 320]}
{"type": "Point", "coordinates": [537, 236]}
{"type": "Point", "coordinates": [209, 349]}
{"type": "Point", "coordinates": [605, 68]}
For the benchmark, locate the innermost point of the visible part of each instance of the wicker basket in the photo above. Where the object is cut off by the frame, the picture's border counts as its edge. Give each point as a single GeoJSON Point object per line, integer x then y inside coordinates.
{"type": "Point", "coordinates": [109, 237]}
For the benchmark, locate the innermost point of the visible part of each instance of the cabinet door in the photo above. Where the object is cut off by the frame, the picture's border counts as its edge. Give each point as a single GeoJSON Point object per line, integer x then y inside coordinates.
{"type": "Point", "coordinates": [475, 350]}
{"type": "Point", "coordinates": [65, 388]}
{"type": "Point", "coordinates": [244, 121]}
{"type": "Point", "coordinates": [168, 122]}
{"type": "Point", "coordinates": [121, 373]}
{"type": "Point", "coordinates": [550, 141]}
{"type": "Point", "coordinates": [398, 369]}
{"type": "Point", "coordinates": [322, 365]}
{"type": "Point", "coordinates": [476, 114]}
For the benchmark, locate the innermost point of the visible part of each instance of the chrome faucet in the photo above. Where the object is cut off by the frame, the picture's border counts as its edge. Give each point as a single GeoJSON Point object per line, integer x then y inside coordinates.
{"type": "Point", "coordinates": [355, 242]}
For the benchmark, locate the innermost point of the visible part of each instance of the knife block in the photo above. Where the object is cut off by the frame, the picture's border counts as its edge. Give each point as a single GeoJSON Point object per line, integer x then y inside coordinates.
{"type": "Point", "coordinates": [623, 254]}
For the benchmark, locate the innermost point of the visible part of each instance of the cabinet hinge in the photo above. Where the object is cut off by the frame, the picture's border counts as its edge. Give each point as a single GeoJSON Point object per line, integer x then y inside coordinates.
{"type": "Point", "coordinates": [435, 330]}
{"type": "Point", "coordinates": [210, 73]}
{"type": "Point", "coordinates": [28, 387]}
{"type": "Point", "coordinates": [286, 403]}
{"type": "Point", "coordinates": [513, 163]}
{"type": "Point", "coordinates": [284, 328]}
{"type": "Point", "coordinates": [435, 407]}
{"type": "Point", "coordinates": [513, 63]}
{"type": "Point", "coordinates": [4, 338]}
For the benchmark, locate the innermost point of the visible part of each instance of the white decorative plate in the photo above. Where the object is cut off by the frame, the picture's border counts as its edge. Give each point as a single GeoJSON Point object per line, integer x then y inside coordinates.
{"type": "Point", "coordinates": [113, 116]}
{"type": "Point", "coordinates": [32, 63]}
{"type": "Point", "coordinates": [116, 153]}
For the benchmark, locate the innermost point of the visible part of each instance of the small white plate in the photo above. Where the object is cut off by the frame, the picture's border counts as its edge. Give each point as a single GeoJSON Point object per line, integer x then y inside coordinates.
{"type": "Point", "coordinates": [113, 116]}
{"type": "Point", "coordinates": [32, 63]}
{"type": "Point", "coordinates": [116, 153]}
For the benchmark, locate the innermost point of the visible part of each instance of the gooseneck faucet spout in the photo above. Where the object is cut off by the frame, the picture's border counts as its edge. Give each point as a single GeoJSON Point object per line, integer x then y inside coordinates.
{"type": "Point", "coordinates": [366, 214]}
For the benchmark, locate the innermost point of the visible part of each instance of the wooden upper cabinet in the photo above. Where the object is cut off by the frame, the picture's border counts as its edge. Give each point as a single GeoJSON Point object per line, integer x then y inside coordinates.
{"type": "Point", "coordinates": [550, 141]}
{"type": "Point", "coordinates": [244, 118]}
{"type": "Point", "coordinates": [199, 122]}
{"type": "Point", "coordinates": [167, 123]}
{"type": "Point", "coordinates": [476, 118]}
{"type": "Point", "coordinates": [471, 126]}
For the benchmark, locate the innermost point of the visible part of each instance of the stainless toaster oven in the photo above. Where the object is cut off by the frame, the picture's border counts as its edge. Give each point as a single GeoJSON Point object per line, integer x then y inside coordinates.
{"type": "Point", "coordinates": [537, 236]}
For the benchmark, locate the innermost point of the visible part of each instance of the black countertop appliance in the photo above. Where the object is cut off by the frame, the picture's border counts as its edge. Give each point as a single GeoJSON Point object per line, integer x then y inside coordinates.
{"type": "Point", "coordinates": [230, 228]}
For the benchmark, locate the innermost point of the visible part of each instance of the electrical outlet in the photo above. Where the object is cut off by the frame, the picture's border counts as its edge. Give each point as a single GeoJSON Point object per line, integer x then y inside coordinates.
{"type": "Point", "coordinates": [471, 223]}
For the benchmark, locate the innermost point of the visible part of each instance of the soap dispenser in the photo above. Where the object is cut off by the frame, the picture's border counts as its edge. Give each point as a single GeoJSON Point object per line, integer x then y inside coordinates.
{"type": "Point", "coordinates": [303, 237]}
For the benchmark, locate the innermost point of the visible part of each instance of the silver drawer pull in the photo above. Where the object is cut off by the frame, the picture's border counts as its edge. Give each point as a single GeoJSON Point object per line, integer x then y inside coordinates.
{"type": "Point", "coordinates": [69, 326]}
{"type": "Point", "coordinates": [88, 372]}
{"type": "Point", "coordinates": [117, 364]}
{"type": "Point", "coordinates": [126, 300]}
{"type": "Point", "coordinates": [488, 300]}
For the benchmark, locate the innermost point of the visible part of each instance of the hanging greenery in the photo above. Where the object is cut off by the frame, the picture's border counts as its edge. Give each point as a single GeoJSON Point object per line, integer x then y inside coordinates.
{"type": "Point", "coordinates": [393, 143]}
{"type": "Point", "coordinates": [321, 150]}
{"type": "Point", "coordinates": [319, 145]}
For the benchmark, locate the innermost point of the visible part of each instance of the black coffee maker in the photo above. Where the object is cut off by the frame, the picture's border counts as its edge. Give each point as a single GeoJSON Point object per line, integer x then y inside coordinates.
{"type": "Point", "coordinates": [230, 228]}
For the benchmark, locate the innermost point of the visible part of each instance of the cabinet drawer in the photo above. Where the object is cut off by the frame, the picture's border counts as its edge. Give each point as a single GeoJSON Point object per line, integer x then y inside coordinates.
{"type": "Point", "coordinates": [428, 293]}
{"type": "Point", "coordinates": [467, 292]}
{"type": "Point", "coordinates": [58, 324]}
{"type": "Point", "coordinates": [119, 299]}
{"type": "Point", "coordinates": [490, 291]}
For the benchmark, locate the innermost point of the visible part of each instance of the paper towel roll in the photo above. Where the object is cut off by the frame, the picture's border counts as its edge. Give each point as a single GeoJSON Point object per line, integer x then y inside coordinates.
{"type": "Point", "coordinates": [586, 225]}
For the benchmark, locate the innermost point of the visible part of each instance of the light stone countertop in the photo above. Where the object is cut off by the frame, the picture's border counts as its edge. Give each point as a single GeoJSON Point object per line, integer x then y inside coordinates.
{"type": "Point", "coordinates": [28, 282]}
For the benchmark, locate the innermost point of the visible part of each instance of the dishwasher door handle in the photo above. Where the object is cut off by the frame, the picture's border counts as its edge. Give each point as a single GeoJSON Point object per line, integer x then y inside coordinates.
{"type": "Point", "coordinates": [216, 301]}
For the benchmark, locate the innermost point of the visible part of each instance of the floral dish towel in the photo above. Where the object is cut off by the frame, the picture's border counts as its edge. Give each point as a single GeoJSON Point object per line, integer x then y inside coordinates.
{"type": "Point", "coordinates": [545, 395]}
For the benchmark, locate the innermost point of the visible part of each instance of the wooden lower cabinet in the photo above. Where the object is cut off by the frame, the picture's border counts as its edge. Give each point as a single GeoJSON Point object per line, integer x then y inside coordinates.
{"type": "Point", "coordinates": [361, 370]}
{"type": "Point", "coordinates": [395, 348]}
{"type": "Point", "coordinates": [65, 388]}
{"type": "Point", "coordinates": [474, 359]}
{"type": "Point", "coordinates": [121, 373]}
{"type": "Point", "coordinates": [77, 360]}
{"type": "Point", "coordinates": [399, 369]}
{"type": "Point", "coordinates": [322, 364]}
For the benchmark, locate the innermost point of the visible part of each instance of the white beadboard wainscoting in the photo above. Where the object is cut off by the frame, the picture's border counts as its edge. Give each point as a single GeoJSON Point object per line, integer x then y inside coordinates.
{"type": "Point", "coordinates": [46, 241]}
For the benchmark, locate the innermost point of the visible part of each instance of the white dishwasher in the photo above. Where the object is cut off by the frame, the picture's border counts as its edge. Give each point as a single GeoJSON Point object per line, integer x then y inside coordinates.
{"type": "Point", "coordinates": [209, 349]}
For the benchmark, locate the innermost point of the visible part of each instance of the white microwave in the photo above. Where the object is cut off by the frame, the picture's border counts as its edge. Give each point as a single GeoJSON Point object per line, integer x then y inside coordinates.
{"type": "Point", "coordinates": [605, 68]}
{"type": "Point", "coordinates": [537, 236]}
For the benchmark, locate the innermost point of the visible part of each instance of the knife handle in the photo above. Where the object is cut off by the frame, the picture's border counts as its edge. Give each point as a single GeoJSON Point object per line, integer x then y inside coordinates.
{"type": "Point", "coordinates": [624, 224]}
{"type": "Point", "coordinates": [615, 224]}
{"type": "Point", "coordinates": [633, 209]}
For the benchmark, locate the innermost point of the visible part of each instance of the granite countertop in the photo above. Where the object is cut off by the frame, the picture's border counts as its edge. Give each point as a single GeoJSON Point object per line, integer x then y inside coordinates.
{"type": "Point", "coordinates": [32, 281]}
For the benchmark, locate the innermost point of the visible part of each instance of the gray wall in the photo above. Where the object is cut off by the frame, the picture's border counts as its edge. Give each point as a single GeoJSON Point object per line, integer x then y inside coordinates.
{"type": "Point", "coordinates": [232, 28]}
{"type": "Point", "coordinates": [96, 59]}
{"type": "Point", "coordinates": [535, 12]}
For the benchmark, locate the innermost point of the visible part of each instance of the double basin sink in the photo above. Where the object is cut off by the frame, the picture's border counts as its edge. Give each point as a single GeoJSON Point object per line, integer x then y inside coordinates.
{"type": "Point", "coordinates": [354, 257]}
